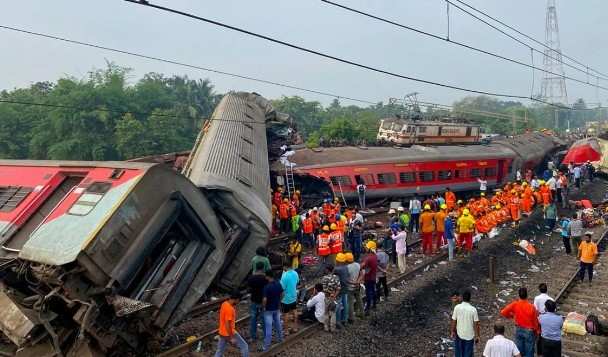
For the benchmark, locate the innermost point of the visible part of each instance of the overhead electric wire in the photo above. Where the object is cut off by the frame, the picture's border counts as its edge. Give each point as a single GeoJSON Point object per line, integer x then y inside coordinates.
{"type": "Point", "coordinates": [530, 37]}
{"type": "Point", "coordinates": [461, 44]}
{"type": "Point", "coordinates": [336, 58]}
{"type": "Point", "coordinates": [520, 41]}
{"type": "Point", "coordinates": [183, 64]}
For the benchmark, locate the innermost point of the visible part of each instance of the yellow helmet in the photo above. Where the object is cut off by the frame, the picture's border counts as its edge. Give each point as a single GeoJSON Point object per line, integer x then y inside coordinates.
{"type": "Point", "coordinates": [483, 194]}
{"type": "Point", "coordinates": [498, 206]}
{"type": "Point", "coordinates": [427, 206]}
{"type": "Point", "coordinates": [465, 211]}
{"type": "Point", "coordinates": [524, 183]}
{"type": "Point", "coordinates": [340, 258]}
{"type": "Point", "coordinates": [444, 206]}
{"type": "Point", "coordinates": [541, 182]}
{"type": "Point", "coordinates": [333, 227]}
{"type": "Point", "coordinates": [371, 245]}
{"type": "Point", "coordinates": [349, 257]}
{"type": "Point", "coordinates": [325, 228]}
{"type": "Point", "coordinates": [512, 191]}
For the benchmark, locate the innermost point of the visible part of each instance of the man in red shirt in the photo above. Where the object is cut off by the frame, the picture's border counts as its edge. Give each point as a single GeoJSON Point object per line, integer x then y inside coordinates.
{"type": "Point", "coordinates": [308, 227]}
{"type": "Point", "coordinates": [525, 316]}
{"type": "Point", "coordinates": [227, 327]}
{"type": "Point", "coordinates": [369, 266]}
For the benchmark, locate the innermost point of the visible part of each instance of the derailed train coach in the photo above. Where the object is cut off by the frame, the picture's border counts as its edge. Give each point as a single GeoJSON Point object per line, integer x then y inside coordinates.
{"type": "Point", "coordinates": [100, 257]}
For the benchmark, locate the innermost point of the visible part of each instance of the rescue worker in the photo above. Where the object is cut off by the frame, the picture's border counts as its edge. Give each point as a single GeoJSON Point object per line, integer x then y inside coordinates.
{"type": "Point", "coordinates": [323, 249]}
{"type": "Point", "coordinates": [308, 227]}
{"type": "Point", "coordinates": [484, 203]}
{"type": "Point", "coordinates": [294, 252]}
{"type": "Point", "coordinates": [296, 224]}
{"type": "Point", "coordinates": [295, 199]}
{"type": "Point", "coordinates": [336, 239]}
{"type": "Point", "coordinates": [277, 196]}
{"type": "Point", "coordinates": [427, 227]}
{"type": "Point", "coordinates": [514, 208]}
{"type": "Point", "coordinates": [527, 199]}
{"type": "Point", "coordinates": [326, 208]}
{"type": "Point", "coordinates": [439, 227]}
{"type": "Point", "coordinates": [284, 216]}
{"type": "Point", "coordinates": [466, 228]}
{"type": "Point", "coordinates": [404, 218]}
{"type": "Point", "coordinates": [450, 199]}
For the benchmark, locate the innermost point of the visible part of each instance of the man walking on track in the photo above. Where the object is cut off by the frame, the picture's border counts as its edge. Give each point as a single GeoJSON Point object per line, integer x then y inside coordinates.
{"type": "Point", "coordinates": [587, 254]}
{"type": "Point", "coordinates": [227, 327]}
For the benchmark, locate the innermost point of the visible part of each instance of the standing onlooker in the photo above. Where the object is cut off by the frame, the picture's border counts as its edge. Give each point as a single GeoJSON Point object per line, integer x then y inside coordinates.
{"type": "Point", "coordinates": [540, 299]}
{"type": "Point", "coordinates": [565, 226]}
{"type": "Point", "coordinates": [342, 272]}
{"type": "Point", "coordinates": [260, 256]}
{"type": "Point", "coordinates": [361, 188]}
{"type": "Point", "coordinates": [315, 306]}
{"type": "Point", "coordinates": [382, 285]}
{"type": "Point", "coordinates": [465, 326]}
{"type": "Point", "coordinates": [227, 327]}
{"type": "Point", "coordinates": [370, 267]}
{"type": "Point", "coordinates": [356, 240]}
{"type": "Point", "coordinates": [289, 283]}
{"type": "Point", "coordinates": [499, 345]}
{"type": "Point", "coordinates": [272, 317]}
{"type": "Point", "coordinates": [415, 208]}
{"type": "Point", "coordinates": [564, 189]}
{"type": "Point", "coordinates": [551, 331]}
{"type": "Point", "coordinates": [576, 232]}
{"type": "Point", "coordinates": [399, 236]}
{"type": "Point", "coordinates": [256, 282]}
{"type": "Point", "coordinates": [448, 233]}
{"type": "Point", "coordinates": [483, 184]}
{"type": "Point", "coordinates": [331, 287]}
{"type": "Point", "coordinates": [526, 322]}
{"type": "Point", "coordinates": [576, 173]}
{"type": "Point", "coordinates": [355, 303]}
{"type": "Point", "coordinates": [587, 253]}
{"type": "Point", "coordinates": [550, 216]}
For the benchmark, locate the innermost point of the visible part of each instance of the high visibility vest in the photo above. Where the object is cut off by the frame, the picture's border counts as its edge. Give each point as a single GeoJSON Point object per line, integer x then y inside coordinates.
{"type": "Point", "coordinates": [323, 247]}
{"type": "Point", "coordinates": [336, 238]}
{"type": "Point", "coordinates": [284, 211]}
{"type": "Point", "coordinates": [341, 225]}
{"type": "Point", "coordinates": [308, 226]}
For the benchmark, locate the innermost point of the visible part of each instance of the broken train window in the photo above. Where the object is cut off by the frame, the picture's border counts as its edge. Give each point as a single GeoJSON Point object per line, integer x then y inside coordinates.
{"type": "Point", "coordinates": [89, 198]}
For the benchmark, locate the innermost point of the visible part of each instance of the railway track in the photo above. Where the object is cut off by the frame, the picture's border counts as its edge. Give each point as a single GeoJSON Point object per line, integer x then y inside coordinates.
{"type": "Point", "coordinates": [580, 297]}
{"type": "Point", "coordinates": [206, 339]}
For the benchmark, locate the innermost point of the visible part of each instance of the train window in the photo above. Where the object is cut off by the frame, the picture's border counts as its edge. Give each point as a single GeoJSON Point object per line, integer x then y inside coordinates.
{"type": "Point", "coordinates": [407, 177]}
{"type": "Point", "coordinates": [475, 173]}
{"type": "Point", "coordinates": [366, 179]}
{"type": "Point", "coordinates": [425, 176]}
{"type": "Point", "coordinates": [89, 198]}
{"type": "Point", "coordinates": [422, 129]}
{"type": "Point", "coordinates": [459, 174]}
{"type": "Point", "coordinates": [444, 175]}
{"type": "Point", "coordinates": [490, 171]}
{"type": "Point", "coordinates": [12, 196]}
{"type": "Point", "coordinates": [341, 180]}
{"type": "Point", "coordinates": [387, 178]}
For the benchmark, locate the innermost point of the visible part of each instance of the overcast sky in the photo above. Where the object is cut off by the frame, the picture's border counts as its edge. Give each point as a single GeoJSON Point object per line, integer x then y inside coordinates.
{"type": "Point", "coordinates": [311, 23]}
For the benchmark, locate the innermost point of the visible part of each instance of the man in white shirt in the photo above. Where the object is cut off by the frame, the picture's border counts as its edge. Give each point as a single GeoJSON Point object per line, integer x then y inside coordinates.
{"type": "Point", "coordinates": [499, 346]}
{"type": "Point", "coordinates": [539, 300]}
{"type": "Point", "coordinates": [415, 208]}
{"type": "Point", "coordinates": [483, 184]}
{"type": "Point", "coordinates": [465, 327]}
{"type": "Point", "coordinates": [315, 306]}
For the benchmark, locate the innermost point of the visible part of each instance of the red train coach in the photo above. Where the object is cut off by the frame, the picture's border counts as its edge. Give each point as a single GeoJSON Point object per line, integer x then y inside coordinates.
{"type": "Point", "coordinates": [399, 172]}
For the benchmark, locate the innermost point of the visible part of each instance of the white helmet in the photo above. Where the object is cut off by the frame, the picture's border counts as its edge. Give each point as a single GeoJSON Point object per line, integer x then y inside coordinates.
{"type": "Point", "coordinates": [391, 211]}
{"type": "Point", "coordinates": [400, 209]}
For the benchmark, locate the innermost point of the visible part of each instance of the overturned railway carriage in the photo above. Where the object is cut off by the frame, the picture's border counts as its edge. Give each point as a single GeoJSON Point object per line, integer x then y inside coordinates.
{"type": "Point", "coordinates": [229, 163]}
{"type": "Point", "coordinates": [99, 257]}
{"type": "Point", "coordinates": [422, 170]}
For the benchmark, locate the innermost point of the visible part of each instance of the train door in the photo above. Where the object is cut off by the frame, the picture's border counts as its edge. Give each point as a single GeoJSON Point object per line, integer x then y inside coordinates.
{"type": "Point", "coordinates": [500, 171]}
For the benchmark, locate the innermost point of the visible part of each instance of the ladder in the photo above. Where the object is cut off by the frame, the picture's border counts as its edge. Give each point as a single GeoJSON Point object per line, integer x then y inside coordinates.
{"type": "Point", "coordinates": [289, 181]}
{"type": "Point", "coordinates": [341, 192]}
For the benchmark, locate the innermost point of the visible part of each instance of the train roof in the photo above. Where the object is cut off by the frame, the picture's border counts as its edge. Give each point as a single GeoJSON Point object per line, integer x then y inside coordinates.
{"type": "Point", "coordinates": [351, 155]}
{"type": "Point", "coordinates": [79, 164]}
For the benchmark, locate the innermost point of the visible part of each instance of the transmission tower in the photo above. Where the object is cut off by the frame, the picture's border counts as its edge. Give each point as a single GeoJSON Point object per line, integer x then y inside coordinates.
{"type": "Point", "coordinates": [553, 87]}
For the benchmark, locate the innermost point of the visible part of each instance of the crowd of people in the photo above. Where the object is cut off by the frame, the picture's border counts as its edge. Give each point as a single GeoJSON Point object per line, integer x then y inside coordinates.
{"type": "Point", "coordinates": [334, 234]}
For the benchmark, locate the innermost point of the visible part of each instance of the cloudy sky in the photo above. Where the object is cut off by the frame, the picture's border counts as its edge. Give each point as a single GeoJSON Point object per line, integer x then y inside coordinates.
{"type": "Point", "coordinates": [25, 59]}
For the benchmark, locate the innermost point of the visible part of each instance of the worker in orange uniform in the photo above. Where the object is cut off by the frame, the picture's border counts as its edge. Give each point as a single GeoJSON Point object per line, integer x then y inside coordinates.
{"type": "Point", "coordinates": [326, 208]}
{"type": "Point", "coordinates": [308, 228]}
{"type": "Point", "coordinates": [450, 199]}
{"type": "Point", "coordinates": [484, 203]}
{"type": "Point", "coordinates": [527, 198]}
{"type": "Point", "coordinates": [284, 214]}
{"type": "Point", "coordinates": [336, 240]}
{"type": "Point", "coordinates": [466, 228]}
{"type": "Point", "coordinates": [427, 224]}
{"type": "Point", "coordinates": [439, 226]}
{"type": "Point", "coordinates": [323, 249]}
{"type": "Point", "coordinates": [514, 208]}
{"type": "Point", "coordinates": [546, 196]}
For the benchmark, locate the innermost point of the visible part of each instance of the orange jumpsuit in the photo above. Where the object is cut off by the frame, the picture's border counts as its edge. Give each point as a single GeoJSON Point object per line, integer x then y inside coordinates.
{"type": "Point", "coordinates": [514, 208]}
{"type": "Point", "coordinates": [450, 200]}
{"type": "Point", "coordinates": [427, 227]}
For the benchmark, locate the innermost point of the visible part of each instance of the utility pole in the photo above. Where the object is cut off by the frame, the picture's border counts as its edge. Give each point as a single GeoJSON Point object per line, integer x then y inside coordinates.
{"type": "Point", "coordinates": [513, 123]}
{"type": "Point", "coordinates": [553, 87]}
{"type": "Point", "coordinates": [556, 119]}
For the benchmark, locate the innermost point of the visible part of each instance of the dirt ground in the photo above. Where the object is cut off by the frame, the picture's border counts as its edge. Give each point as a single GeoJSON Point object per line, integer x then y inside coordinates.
{"type": "Point", "coordinates": [415, 320]}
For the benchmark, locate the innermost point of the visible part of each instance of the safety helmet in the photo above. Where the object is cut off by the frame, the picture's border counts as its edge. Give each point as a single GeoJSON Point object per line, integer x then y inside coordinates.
{"type": "Point", "coordinates": [524, 183]}
{"type": "Point", "coordinates": [333, 227]}
{"type": "Point", "coordinates": [336, 199]}
{"type": "Point", "coordinates": [371, 245]}
{"type": "Point", "coordinates": [459, 202]}
{"type": "Point", "coordinates": [483, 194]}
{"type": "Point", "coordinates": [298, 192]}
{"type": "Point", "coordinates": [325, 228]}
{"type": "Point", "coordinates": [428, 207]}
{"type": "Point", "coordinates": [315, 209]}
{"type": "Point", "coordinates": [391, 211]}
{"type": "Point", "coordinates": [465, 211]}
{"type": "Point", "coordinates": [444, 206]}
{"type": "Point", "coordinates": [400, 209]}
{"type": "Point", "coordinates": [498, 206]}
{"type": "Point", "coordinates": [513, 191]}
{"type": "Point", "coordinates": [340, 258]}
{"type": "Point", "coordinates": [349, 257]}
{"type": "Point", "coordinates": [541, 182]}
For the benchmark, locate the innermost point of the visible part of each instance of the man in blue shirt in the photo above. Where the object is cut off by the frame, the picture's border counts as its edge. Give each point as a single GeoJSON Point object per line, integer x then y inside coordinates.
{"type": "Point", "coordinates": [448, 234]}
{"type": "Point", "coordinates": [272, 316]}
{"type": "Point", "coordinates": [564, 224]}
{"type": "Point", "coordinates": [551, 331]}
{"type": "Point", "coordinates": [289, 283]}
